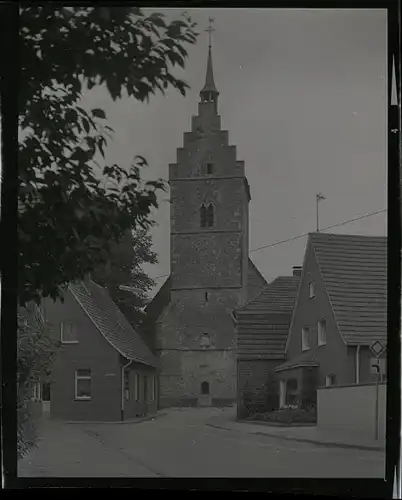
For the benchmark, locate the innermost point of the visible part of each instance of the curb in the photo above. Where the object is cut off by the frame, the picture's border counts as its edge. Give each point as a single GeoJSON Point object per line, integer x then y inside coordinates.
{"type": "Point", "coordinates": [327, 444]}
{"type": "Point", "coordinates": [124, 422]}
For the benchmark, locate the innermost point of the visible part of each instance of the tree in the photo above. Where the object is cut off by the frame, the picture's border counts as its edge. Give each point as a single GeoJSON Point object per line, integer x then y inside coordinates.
{"type": "Point", "coordinates": [36, 350]}
{"type": "Point", "coordinates": [125, 268]}
{"type": "Point", "coordinates": [69, 216]}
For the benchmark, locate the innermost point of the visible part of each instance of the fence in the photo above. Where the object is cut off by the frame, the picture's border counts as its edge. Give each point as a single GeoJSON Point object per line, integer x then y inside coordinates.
{"type": "Point", "coordinates": [352, 408]}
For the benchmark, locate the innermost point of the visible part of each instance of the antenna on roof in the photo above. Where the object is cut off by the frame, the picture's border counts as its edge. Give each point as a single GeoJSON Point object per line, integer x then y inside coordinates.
{"type": "Point", "coordinates": [318, 197]}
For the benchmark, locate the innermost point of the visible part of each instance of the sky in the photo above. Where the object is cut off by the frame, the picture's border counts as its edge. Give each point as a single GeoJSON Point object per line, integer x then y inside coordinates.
{"type": "Point", "coordinates": [303, 96]}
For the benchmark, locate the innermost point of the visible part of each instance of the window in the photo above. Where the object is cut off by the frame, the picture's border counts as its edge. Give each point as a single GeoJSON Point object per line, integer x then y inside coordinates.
{"type": "Point", "coordinates": [206, 296]}
{"type": "Point", "coordinates": [205, 340]}
{"type": "Point", "coordinates": [203, 215]}
{"type": "Point", "coordinates": [205, 388]}
{"type": "Point", "coordinates": [322, 332]}
{"type": "Point", "coordinates": [83, 384]}
{"type": "Point", "coordinates": [207, 215]}
{"type": "Point", "coordinates": [292, 393]}
{"type": "Point", "coordinates": [330, 380]}
{"type": "Point", "coordinates": [127, 384]}
{"type": "Point", "coordinates": [210, 215]}
{"type": "Point", "coordinates": [312, 289]}
{"type": "Point", "coordinates": [137, 387]}
{"type": "Point", "coordinates": [209, 168]}
{"type": "Point", "coordinates": [68, 333]}
{"type": "Point", "coordinates": [305, 338]}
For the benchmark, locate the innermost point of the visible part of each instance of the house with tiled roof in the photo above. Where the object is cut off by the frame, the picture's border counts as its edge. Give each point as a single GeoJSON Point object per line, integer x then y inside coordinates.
{"type": "Point", "coordinates": [103, 370]}
{"type": "Point", "coordinates": [262, 330]}
{"type": "Point", "coordinates": [340, 310]}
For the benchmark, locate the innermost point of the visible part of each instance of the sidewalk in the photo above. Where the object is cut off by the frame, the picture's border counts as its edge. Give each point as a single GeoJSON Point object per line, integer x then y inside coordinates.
{"type": "Point", "coordinates": [308, 434]}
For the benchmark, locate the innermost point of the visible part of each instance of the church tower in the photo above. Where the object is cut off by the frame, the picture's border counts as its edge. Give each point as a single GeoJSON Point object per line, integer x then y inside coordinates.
{"type": "Point", "coordinates": [195, 334]}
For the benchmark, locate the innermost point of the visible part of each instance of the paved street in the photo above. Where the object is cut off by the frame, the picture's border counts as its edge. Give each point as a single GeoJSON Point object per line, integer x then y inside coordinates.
{"type": "Point", "coordinates": [182, 444]}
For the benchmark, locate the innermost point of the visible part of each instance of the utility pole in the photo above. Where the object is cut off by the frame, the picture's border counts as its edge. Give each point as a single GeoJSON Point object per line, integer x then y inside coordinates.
{"type": "Point", "coordinates": [318, 197]}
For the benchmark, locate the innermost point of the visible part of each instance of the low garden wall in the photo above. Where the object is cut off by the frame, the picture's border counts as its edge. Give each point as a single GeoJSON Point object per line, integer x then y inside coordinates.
{"type": "Point", "coordinates": [352, 408]}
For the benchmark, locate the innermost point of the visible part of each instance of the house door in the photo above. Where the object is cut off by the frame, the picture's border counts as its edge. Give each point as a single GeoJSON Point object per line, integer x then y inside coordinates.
{"type": "Point", "coordinates": [46, 399]}
{"type": "Point", "coordinates": [282, 393]}
{"type": "Point", "coordinates": [205, 396]}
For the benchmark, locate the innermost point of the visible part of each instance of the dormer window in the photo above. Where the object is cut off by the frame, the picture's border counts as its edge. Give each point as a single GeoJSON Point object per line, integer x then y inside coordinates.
{"type": "Point", "coordinates": [209, 168]}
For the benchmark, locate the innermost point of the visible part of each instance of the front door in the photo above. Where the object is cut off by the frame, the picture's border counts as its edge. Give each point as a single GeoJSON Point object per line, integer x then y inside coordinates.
{"type": "Point", "coordinates": [205, 396]}
{"type": "Point", "coordinates": [46, 399]}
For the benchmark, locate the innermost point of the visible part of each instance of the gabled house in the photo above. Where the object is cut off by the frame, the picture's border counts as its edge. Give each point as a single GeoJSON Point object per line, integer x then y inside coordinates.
{"type": "Point", "coordinates": [262, 329]}
{"type": "Point", "coordinates": [341, 309]}
{"type": "Point", "coordinates": [103, 370]}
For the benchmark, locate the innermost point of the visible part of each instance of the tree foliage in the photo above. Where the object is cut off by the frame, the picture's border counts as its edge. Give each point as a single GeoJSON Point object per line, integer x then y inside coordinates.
{"type": "Point", "coordinates": [36, 350]}
{"type": "Point", "coordinates": [69, 216]}
{"type": "Point", "coordinates": [124, 267]}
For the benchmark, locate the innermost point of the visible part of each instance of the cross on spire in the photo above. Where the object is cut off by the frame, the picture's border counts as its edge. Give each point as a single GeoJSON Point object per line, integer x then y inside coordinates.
{"type": "Point", "coordinates": [210, 29]}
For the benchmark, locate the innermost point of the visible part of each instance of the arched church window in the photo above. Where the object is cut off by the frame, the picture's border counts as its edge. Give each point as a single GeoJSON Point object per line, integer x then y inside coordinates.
{"type": "Point", "coordinates": [205, 388]}
{"type": "Point", "coordinates": [203, 215]}
{"type": "Point", "coordinates": [210, 215]}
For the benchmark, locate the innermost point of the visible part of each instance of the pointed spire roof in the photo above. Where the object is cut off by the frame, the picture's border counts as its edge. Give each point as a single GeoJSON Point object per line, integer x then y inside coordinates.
{"type": "Point", "coordinates": [209, 78]}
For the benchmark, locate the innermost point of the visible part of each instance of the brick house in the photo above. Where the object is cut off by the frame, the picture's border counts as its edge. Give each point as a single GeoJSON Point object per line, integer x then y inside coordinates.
{"type": "Point", "coordinates": [341, 308]}
{"type": "Point", "coordinates": [103, 370]}
{"type": "Point", "coordinates": [262, 330]}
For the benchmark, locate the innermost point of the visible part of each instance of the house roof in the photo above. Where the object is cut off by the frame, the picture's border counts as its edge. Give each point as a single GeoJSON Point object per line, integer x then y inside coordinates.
{"type": "Point", "coordinates": [162, 298]}
{"type": "Point", "coordinates": [307, 358]}
{"type": "Point", "coordinates": [111, 322]}
{"type": "Point", "coordinates": [354, 271]}
{"type": "Point", "coordinates": [263, 323]}
{"type": "Point", "coordinates": [278, 296]}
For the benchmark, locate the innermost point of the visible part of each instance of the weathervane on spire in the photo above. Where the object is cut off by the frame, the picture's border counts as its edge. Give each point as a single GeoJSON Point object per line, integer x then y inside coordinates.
{"type": "Point", "coordinates": [210, 29]}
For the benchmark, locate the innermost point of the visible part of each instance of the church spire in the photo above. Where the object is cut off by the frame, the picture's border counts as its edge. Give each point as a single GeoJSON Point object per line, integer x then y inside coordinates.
{"type": "Point", "coordinates": [209, 92]}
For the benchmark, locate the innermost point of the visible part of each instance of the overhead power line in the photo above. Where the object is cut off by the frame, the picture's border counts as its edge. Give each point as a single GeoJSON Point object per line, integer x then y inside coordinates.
{"type": "Point", "coordinates": [304, 234]}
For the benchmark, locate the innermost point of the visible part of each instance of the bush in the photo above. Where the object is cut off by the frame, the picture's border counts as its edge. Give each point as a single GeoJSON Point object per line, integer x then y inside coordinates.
{"type": "Point", "coordinates": [287, 416]}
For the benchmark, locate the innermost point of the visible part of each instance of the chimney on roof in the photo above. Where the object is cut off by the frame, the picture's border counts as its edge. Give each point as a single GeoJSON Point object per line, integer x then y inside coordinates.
{"type": "Point", "coordinates": [297, 270]}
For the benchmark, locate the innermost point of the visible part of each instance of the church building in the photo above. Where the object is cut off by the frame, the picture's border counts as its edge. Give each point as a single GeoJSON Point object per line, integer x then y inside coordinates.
{"type": "Point", "coordinates": [211, 273]}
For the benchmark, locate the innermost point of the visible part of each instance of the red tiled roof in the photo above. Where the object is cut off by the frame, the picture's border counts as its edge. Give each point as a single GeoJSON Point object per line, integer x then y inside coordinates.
{"type": "Point", "coordinates": [263, 323]}
{"type": "Point", "coordinates": [111, 322]}
{"type": "Point", "coordinates": [354, 271]}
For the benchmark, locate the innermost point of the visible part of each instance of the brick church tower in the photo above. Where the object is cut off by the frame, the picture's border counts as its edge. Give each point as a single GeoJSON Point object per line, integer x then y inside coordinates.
{"type": "Point", "coordinates": [195, 330]}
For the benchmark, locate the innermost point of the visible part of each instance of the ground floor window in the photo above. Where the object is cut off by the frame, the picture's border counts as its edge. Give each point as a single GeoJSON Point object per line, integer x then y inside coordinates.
{"type": "Point", "coordinates": [330, 380]}
{"type": "Point", "coordinates": [83, 384]}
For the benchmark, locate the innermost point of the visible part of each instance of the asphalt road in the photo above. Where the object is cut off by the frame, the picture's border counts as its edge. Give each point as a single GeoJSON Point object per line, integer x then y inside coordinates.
{"type": "Point", "coordinates": [182, 444]}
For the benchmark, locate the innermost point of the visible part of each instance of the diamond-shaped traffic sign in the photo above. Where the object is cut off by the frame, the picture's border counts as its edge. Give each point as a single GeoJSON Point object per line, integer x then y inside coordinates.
{"type": "Point", "coordinates": [377, 348]}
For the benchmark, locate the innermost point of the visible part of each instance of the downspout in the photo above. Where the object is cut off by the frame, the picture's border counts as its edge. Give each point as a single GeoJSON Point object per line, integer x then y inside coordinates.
{"type": "Point", "coordinates": [358, 364]}
{"type": "Point", "coordinates": [123, 368]}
